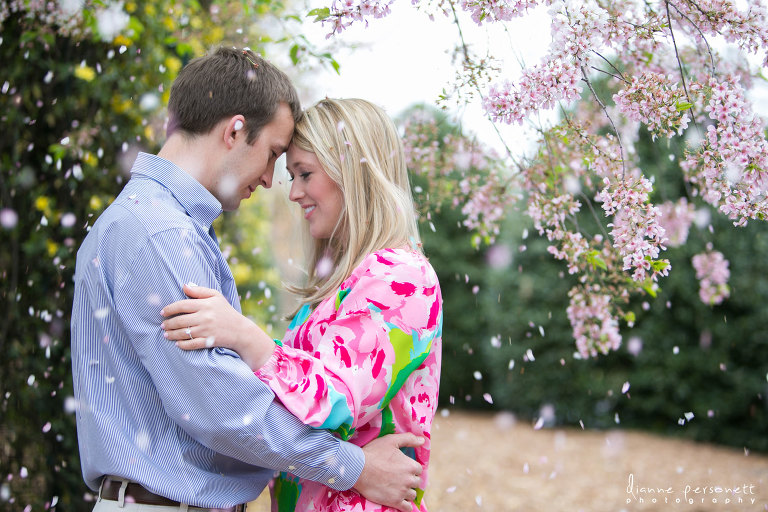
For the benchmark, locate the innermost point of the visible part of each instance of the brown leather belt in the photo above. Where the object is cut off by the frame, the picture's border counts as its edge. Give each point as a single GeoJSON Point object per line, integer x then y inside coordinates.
{"type": "Point", "coordinates": [135, 493]}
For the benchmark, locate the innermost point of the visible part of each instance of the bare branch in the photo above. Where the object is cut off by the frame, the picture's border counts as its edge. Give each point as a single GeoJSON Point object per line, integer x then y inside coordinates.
{"type": "Point", "coordinates": [610, 120]}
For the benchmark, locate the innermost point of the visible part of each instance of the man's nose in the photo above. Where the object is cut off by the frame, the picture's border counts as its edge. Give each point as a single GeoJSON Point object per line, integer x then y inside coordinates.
{"type": "Point", "coordinates": [266, 178]}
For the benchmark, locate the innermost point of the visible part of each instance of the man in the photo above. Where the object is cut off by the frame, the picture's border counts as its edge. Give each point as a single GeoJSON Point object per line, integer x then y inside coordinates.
{"type": "Point", "coordinates": [160, 427]}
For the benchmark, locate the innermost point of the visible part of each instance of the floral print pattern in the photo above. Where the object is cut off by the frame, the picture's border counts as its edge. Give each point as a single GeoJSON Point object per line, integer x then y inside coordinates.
{"type": "Point", "coordinates": [364, 363]}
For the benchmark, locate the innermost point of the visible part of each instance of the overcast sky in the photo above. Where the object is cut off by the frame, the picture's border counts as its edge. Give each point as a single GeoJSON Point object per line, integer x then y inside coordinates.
{"type": "Point", "coordinates": [405, 58]}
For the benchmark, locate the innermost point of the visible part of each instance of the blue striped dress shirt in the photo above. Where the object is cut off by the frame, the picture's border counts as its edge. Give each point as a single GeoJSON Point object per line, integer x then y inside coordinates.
{"type": "Point", "coordinates": [197, 427]}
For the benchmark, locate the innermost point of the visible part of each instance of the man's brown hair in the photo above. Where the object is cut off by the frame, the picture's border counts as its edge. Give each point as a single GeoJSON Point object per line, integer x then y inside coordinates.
{"type": "Point", "coordinates": [225, 83]}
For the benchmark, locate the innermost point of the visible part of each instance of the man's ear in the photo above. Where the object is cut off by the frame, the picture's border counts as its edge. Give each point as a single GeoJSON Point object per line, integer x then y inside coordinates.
{"type": "Point", "coordinates": [233, 129]}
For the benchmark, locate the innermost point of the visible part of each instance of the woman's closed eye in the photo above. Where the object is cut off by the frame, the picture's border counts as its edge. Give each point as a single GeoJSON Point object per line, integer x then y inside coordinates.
{"type": "Point", "coordinates": [302, 175]}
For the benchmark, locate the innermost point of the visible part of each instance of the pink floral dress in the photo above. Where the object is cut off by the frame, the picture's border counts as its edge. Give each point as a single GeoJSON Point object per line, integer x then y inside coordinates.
{"type": "Point", "coordinates": [364, 363]}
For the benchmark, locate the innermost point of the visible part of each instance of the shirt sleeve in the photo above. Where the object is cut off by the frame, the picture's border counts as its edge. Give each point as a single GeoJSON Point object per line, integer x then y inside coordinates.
{"type": "Point", "coordinates": [381, 333]}
{"type": "Point", "coordinates": [211, 394]}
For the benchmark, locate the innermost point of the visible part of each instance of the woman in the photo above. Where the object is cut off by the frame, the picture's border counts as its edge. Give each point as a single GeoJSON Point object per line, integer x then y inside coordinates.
{"type": "Point", "coordinates": [362, 354]}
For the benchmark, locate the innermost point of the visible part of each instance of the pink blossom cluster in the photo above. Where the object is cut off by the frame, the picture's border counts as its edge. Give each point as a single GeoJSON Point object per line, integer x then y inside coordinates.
{"type": "Point", "coordinates": [344, 13]}
{"type": "Point", "coordinates": [594, 325]}
{"type": "Point", "coordinates": [730, 168]}
{"type": "Point", "coordinates": [549, 213]}
{"type": "Point", "coordinates": [655, 100]}
{"type": "Point", "coordinates": [748, 28]}
{"type": "Point", "coordinates": [421, 144]}
{"type": "Point", "coordinates": [662, 59]}
{"type": "Point", "coordinates": [66, 16]}
{"type": "Point", "coordinates": [451, 166]}
{"type": "Point", "coordinates": [676, 219]}
{"type": "Point", "coordinates": [486, 205]}
{"type": "Point", "coordinates": [713, 274]}
{"type": "Point", "coordinates": [637, 232]}
{"type": "Point", "coordinates": [540, 87]}
{"type": "Point", "coordinates": [572, 248]}
{"type": "Point", "coordinates": [578, 27]}
{"type": "Point", "coordinates": [497, 10]}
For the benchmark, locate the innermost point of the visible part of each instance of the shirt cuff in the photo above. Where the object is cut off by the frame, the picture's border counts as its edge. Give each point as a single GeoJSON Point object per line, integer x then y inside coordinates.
{"type": "Point", "coordinates": [351, 460]}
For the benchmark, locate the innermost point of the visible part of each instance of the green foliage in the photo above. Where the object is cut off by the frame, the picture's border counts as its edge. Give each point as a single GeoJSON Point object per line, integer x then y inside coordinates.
{"type": "Point", "coordinates": [459, 266]}
{"type": "Point", "coordinates": [75, 109]}
{"type": "Point", "coordinates": [460, 262]}
{"type": "Point", "coordinates": [709, 361]}
{"type": "Point", "coordinates": [514, 332]}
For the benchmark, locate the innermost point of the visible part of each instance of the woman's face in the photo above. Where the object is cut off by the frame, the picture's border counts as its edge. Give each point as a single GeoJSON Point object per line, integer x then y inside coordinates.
{"type": "Point", "coordinates": [316, 193]}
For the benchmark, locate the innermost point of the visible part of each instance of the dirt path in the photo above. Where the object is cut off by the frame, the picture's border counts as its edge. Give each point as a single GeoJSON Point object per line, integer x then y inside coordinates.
{"type": "Point", "coordinates": [490, 463]}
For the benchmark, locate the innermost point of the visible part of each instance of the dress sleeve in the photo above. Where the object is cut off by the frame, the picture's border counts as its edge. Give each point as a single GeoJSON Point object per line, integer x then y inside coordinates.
{"type": "Point", "coordinates": [380, 330]}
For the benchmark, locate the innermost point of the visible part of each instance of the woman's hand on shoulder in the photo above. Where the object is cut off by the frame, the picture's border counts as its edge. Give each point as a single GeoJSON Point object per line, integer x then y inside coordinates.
{"type": "Point", "coordinates": [207, 320]}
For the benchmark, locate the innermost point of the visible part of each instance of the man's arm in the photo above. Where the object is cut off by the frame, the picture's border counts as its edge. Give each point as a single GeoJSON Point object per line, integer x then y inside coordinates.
{"type": "Point", "coordinates": [212, 394]}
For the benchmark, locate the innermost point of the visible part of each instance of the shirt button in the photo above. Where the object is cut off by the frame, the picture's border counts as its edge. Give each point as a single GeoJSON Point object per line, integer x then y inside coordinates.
{"type": "Point", "coordinates": [331, 480]}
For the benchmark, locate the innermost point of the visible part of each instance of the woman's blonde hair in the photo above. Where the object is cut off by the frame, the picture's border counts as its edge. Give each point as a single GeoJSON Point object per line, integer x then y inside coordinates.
{"type": "Point", "coordinates": [359, 148]}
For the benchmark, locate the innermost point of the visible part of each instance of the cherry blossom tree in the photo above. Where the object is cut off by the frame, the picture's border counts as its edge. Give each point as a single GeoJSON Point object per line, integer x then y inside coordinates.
{"type": "Point", "coordinates": [677, 68]}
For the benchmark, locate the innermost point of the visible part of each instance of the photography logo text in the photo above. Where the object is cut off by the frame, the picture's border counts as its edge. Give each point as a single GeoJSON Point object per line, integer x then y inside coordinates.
{"type": "Point", "coordinates": [694, 493]}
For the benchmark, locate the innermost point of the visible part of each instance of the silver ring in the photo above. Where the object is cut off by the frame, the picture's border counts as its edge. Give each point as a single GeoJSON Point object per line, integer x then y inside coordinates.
{"type": "Point", "coordinates": [188, 330]}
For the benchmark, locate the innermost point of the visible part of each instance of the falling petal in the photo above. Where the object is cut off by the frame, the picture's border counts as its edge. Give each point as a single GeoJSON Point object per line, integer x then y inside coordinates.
{"type": "Point", "coordinates": [70, 405]}
{"type": "Point", "coordinates": [539, 424]}
{"type": "Point", "coordinates": [625, 388]}
{"type": "Point", "coordinates": [68, 220]}
{"type": "Point", "coordinates": [111, 22]}
{"type": "Point", "coordinates": [689, 416]}
{"type": "Point", "coordinates": [488, 398]}
{"type": "Point", "coordinates": [8, 218]}
{"type": "Point", "coordinates": [47, 427]}
{"type": "Point", "coordinates": [478, 375]}
{"type": "Point", "coordinates": [142, 441]}
{"type": "Point", "coordinates": [247, 419]}
{"type": "Point", "coordinates": [324, 267]}
{"type": "Point", "coordinates": [499, 256]}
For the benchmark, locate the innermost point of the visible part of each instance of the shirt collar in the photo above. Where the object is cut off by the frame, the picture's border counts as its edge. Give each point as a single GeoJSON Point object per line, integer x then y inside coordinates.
{"type": "Point", "coordinates": [198, 202]}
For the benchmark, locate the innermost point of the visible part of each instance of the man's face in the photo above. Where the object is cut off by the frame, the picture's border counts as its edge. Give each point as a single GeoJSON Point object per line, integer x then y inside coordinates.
{"type": "Point", "coordinates": [249, 165]}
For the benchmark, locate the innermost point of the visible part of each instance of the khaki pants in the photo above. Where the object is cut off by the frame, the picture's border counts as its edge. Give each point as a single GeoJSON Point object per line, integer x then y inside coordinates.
{"type": "Point", "coordinates": [126, 505]}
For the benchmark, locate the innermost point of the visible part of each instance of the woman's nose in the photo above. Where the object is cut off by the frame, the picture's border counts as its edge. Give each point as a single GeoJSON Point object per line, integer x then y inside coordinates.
{"type": "Point", "coordinates": [296, 193]}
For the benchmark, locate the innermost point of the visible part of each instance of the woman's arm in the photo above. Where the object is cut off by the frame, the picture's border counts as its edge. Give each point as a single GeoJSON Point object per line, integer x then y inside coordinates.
{"type": "Point", "coordinates": [379, 333]}
{"type": "Point", "coordinates": [208, 320]}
